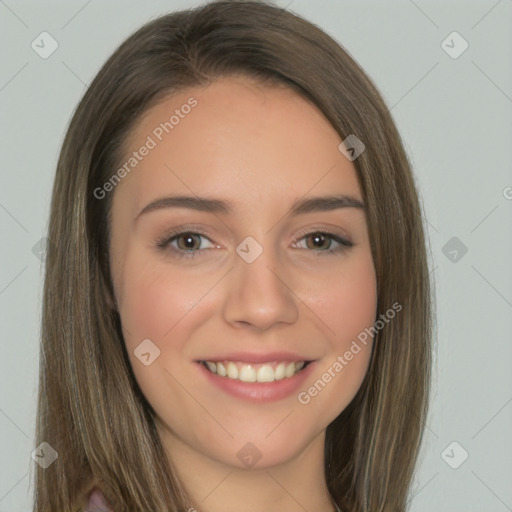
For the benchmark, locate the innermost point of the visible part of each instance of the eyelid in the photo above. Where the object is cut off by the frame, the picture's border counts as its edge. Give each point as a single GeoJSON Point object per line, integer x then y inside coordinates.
{"type": "Point", "coordinates": [330, 231]}
{"type": "Point", "coordinates": [164, 241]}
{"type": "Point", "coordinates": [169, 236]}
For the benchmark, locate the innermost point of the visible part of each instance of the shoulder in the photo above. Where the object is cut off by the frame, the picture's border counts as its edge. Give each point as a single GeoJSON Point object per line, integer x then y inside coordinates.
{"type": "Point", "coordinates": [97, 502]}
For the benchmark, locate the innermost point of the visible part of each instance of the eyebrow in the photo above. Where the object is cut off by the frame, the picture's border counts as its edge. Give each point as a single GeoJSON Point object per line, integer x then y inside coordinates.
{"type": "Point", "coordinates": [203, 204]}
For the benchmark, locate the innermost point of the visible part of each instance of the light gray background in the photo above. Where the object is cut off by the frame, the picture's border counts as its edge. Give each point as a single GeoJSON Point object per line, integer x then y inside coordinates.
{"type": "Point", "coordinates": [455, 117]}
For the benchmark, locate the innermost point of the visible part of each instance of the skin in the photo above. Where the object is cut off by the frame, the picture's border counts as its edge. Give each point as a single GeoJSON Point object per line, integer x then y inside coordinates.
{"type": "Point", "coordinates": [260, 147]}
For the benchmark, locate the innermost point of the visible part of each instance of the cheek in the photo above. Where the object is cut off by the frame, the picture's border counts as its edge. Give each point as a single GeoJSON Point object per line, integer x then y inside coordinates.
{"type": "Point", "coordinates": [346, 300]}
{"type": "Point", "coordinates": [165, 306]}
{"type": "Point", "coordinates": [156, 300]}
{"type": "Point", "coordinates": [347, 307]}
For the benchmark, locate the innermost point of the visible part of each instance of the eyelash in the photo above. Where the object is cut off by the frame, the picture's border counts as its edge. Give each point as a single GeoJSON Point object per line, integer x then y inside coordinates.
{"type": "Point", "coordinates": [164, 242]}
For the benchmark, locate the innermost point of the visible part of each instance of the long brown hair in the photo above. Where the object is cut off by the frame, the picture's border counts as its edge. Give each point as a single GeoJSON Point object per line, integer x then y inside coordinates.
{"type": "Point", "coordinates": [90, 408]}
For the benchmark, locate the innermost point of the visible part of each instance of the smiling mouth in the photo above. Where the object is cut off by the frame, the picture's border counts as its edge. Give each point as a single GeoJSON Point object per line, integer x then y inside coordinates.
{"type": "Point", "coordinates": [266, 372]}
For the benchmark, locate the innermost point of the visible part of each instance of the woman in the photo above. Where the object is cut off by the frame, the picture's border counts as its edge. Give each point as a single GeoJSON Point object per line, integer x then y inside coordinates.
{"type": "Point", "coordinates": [236, 281]}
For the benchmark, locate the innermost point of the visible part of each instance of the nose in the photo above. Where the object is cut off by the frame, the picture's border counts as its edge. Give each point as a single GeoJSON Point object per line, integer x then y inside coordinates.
{"type": "Point", "coordinates": [260, 294]}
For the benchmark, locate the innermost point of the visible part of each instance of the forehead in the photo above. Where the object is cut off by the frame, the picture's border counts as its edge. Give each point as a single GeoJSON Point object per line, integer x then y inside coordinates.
{"type": "Point", "coordinates": [237, 139]}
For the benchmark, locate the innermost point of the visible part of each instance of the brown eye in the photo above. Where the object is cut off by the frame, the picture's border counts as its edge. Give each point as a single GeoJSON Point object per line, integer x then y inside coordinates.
{"type": "Point", "coordinates": [185, 243]}
{"type": "Point", "coordinates": [190, 241]}
{"type": "Point", "coordinates": [318, 241]}
{"type": "Point", "coordinates": [321, 243]}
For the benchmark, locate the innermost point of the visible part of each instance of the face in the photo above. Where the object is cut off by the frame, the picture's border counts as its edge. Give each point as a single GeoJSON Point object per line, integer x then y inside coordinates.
{"type": "Point", "coordinates": [224, 249]}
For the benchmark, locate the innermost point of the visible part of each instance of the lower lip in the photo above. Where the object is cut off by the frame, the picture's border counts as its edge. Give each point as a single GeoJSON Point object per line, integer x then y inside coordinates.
{"type": "Point", "coordinates": [259, 391]}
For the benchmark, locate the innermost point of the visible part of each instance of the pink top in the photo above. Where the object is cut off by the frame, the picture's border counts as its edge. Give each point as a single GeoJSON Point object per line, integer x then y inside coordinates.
{"type": "Point", "coordinates": [97, 502]}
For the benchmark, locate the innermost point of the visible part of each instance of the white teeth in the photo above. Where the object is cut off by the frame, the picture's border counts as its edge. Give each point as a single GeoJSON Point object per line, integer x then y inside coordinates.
{"type": "Point", "coordinates": [290, 370]}
{"type": "Point", "coordinates": [265, 374]}
{"type": "Point", "coordinates": [232, 371]}
{"type": "Point", "coordinates": [212, 367]}
{"type": "Point", "coordinates": [221, 369]}
{"type": "Point", "coordinates": [247, 374]}
{"type": "Point", "coordinates": [279, 371]}
{"type": "Point", "coordinates": [255, 373]}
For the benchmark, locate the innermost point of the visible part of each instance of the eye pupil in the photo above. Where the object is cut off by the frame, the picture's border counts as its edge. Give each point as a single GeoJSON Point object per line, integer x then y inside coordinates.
{"type": "Point", "coordinates": [319, 240]}
{"type": "Point", "coordinates": [189, 240]}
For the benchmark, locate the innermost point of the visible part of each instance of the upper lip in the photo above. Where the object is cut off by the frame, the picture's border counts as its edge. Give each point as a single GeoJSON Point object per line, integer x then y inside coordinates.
{"type": "Point", "coordinates": [257, 358]}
